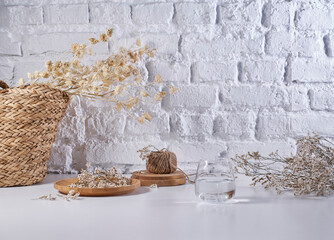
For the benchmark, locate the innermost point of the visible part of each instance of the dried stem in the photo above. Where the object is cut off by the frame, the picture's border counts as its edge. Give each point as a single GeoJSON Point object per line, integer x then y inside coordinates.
{"type": "Point", "coordinates": [310, 170]}
{"type": "Point", "coordinates": [109, 79]}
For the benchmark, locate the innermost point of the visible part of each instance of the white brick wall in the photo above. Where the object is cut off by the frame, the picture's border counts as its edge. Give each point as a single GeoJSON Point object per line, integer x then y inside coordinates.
{"type": "Point", "coordinates": [252, 75]}
{"type": "Point", "coordinates": [63, 14]}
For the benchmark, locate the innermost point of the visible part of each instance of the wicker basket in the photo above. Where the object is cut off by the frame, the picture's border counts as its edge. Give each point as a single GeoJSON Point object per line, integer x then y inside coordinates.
{"type": "Point", "coordinates": [29, 117]}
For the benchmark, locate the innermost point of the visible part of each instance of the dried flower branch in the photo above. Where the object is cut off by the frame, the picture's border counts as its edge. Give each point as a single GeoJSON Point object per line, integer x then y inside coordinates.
{"type": "Point", "coordinates": [106, 79]}
{"type": "Point", "coordinates": [70, 196]}
{"type": "Point", "coordinates": [311, 170]}
{"type": "Point", "coordinates": [146, 151]}
{"type": "Point", "coordinates": [99, 178]}
{"type": "Point", "coordinates": [48, 197]}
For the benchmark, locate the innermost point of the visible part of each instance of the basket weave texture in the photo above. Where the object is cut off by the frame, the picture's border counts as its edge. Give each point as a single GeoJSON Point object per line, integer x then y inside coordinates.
{"type": "Point", "coordinates": [29, 117]}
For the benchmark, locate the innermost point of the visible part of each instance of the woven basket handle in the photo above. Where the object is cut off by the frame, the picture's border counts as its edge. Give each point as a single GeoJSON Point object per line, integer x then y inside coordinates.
{"type": "Point", "coordinates": [3, 84]}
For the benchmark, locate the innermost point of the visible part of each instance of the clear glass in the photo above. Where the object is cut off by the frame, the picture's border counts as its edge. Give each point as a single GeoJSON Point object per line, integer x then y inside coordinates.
{"type": "Point", "coordinates": [215, 180]}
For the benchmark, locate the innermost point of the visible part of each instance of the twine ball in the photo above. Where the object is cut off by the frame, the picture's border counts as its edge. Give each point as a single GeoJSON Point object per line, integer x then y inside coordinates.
{"type": "Point", "coordinates": [161, 162]}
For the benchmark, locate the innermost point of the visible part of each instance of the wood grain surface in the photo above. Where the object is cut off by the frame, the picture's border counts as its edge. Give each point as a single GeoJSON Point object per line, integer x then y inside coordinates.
{"type": "Point", "coordinates": [162, 180]}
{"type": "Point", "coordinates": [63, 187]}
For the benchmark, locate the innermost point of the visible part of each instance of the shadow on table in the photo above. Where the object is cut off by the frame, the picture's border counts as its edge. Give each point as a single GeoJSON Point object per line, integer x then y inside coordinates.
{"type": "Point", "coordinates": [138, 191]}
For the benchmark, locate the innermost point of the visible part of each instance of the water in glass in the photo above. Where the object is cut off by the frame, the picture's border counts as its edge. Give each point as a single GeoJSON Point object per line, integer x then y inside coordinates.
{"type": "Point", "coordinates": [215, 181]}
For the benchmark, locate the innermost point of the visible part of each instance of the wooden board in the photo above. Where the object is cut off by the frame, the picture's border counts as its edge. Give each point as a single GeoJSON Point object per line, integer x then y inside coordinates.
{"type": "Point", "coordinates": [162, 180]}
{"type": "Point", "coordinates": [62, 186]}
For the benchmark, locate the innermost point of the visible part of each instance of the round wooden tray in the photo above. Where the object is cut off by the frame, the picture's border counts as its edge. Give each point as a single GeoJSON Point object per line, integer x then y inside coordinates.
{"type": "Point", "coordinates": [62, 186]}
{"type": "Point", "coordinates": [162, 180]}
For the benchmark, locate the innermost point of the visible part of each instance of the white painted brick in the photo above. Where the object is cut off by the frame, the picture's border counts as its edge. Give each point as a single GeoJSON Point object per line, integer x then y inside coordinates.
{"type": "Point", "coordinates": [6, 71]}
{"type": "Point", "coordinates": [299, 100]}
{"type": "Point", "coordinates": [284, 148]}
{"type": "Point", "coordinates": [278, 43]}
{"type": "Point", "coordinates": [110, 13]}
{"type": "Point", "coordinates": [169, 46]}
{"type": "Point", "coordinates": [8, 47]}
{"type": "Point", "coordinates": [235, 126]}
{"type": "Point", "coordinates": [257, 71]}
{"type": "Point", "coordinates": [193, 96]}
{"type": "Point", "coordinates": [66, 1]}
{"type": "Point", "coordinates": [104, 126]}
{"type": "Point", "coordinates": [316, 17]}
{"type": "Point", "coordinates": [103, 152]}
{"type": "Point", "coordinates": [170, 72]}
{"type": "Point", "coordinates": [20, 2]}
{"type": "Point", "coordinates": [60, 159]}
{"type": "Point", "coordinates": [244, 97]}
{"type": "Point", "coordinates": [309, 44]}
{"type": "Point", "coordinates": [5, 17]}
{"type": "Point", "coordinates": [66, 14]}
{"type": "Point", "coordinates": [58, 42]}
{"type": "Point", "coordinates": [213, 71]}
{"type": "Point", "coordinates": [308, 70]}
{"type": "Point", "coordinates": [200, 47]}
{"type": "Point", "coordinates": [79, 158]}
{"type": "Point", "coordinates": [281, 13]}
{"type": "Point", "coordinates": [330, 44]}
{"type": "Point", "coordinates": [156, 13]}
{"type": "Point", "coordinates": [22, 68]}
{"type": "Point", "coordinates": [240, 11]}
{"type": "Point", "coordinates": [158, 125]}
{"type": "Point", "coordinates": [195, 13]}
{"type": "Point", "coordinates": [25, 15]}
{"type": "Point", "coordinates": [192, 125]}
{"type": "Point", "coordinates": [322, 98]}
{"type": "Point", "coordinates": [194, 152]}
{"type": "Point", "coordinates": [71, 129]}
{"type": "Point", "coordinates": [320, 123]}
{"type": "Point", "coordinates": [272, 125]}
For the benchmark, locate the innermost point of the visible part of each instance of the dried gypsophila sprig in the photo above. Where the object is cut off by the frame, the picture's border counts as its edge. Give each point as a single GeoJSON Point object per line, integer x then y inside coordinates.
{"type": "Point", "coordinates": [99, 178]}
{"type": "Point", "coordinates": [146, 151]}
{"type": "Point", "coordinates": [70, 196]}
{"type": "Point", "coordinates": [107, 79]}
{"type": "Point", "coordinates": [310, 170]}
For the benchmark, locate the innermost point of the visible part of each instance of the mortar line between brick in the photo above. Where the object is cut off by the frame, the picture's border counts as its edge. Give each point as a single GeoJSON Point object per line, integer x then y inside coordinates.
{"type": "Point", "coordinates": [192, 73]}
{"type": "Point", "coordinates": [217, 15]}
{"type": "Point", "coordinates": [256, 127]}
{"type": "Point", "coordinates": [43, 15]}
{"type": "Point", "coordinates": [179, 44]}
{"type": "Point", "coordinates": [327, 47]}
{"type": "Point", "coordinates": [89, 18]}
{"type": "Point", "coordinates": [131, 8]}
{"type": "Point", "coordinates": [174, 13]}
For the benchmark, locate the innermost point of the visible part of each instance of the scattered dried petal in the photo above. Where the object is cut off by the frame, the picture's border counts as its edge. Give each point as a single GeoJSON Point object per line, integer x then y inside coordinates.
{"type": "Point", "coordinates": [158, 78]}
{"type": "Point", "coordinates": [103, 37]}
{"type": "Point", "coordinates": [173, 90]}
{"type": "Point", "coordinates": [141, 120]}
{"type": "Point", "coordinates": [138, 43]}
{"type": "Point", "coordinates": [21, 81]}
{"type": "Point", "coordinates": [147, 116]}
{"type": "Point", "coordinates": [143, 93]}
{"type": "Point", "coordinates": [109, 32]}
{"type": "Point", "coordinates": [93, 41]}
{"type": "Point", "coordinates": [158, 96]}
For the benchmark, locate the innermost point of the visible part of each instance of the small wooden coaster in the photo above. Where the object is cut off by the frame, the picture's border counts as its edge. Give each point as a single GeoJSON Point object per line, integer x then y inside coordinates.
{"type": "Point", "coordinates": [162, 180]}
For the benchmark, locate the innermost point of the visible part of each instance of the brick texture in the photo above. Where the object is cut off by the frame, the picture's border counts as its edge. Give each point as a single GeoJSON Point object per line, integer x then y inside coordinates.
{"type": "Point", "coordinates": [252, 75]}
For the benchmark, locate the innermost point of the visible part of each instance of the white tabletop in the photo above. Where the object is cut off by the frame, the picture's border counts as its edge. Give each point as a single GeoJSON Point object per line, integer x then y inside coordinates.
{"type": "Point", "coordinates": [163, 213]}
